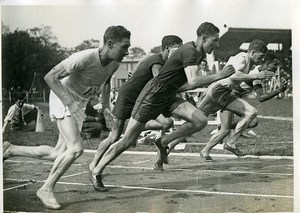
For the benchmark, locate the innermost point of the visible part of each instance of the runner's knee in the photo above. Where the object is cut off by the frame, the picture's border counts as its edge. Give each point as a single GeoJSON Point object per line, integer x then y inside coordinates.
{"type": "Point", "coordinates": [168, 123]}
{"type": "Point", "coordinates": [76, 150]}
{"type": "Point", "coordinates": [252, 113]}
{"type": "Point", "coordinates": [113, 138]}
{"type": "Point", "coordinates": [56, 153]}
{"type": "Point", "coordinates": [199, 122]}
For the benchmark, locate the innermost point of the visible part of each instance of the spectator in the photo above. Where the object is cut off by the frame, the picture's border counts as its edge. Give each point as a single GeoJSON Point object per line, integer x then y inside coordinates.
{"type": "Point", "coordinates": [204, 71]}
{"type": "Point", "coordinates": [20, 114]}
{"type": "Point", "coordinates": [94, 122]}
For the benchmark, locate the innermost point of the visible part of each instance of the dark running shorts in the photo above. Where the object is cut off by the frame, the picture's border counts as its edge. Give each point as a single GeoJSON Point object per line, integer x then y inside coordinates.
{"type": "Point", "coordinates": [124, 105]}
{"type": "Point", "coordinates": [155, 99]}
{"type": "Point", "coordinates": [216, 98]}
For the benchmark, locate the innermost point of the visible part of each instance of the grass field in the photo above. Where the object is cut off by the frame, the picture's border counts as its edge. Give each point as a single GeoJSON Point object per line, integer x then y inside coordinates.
{"type": "Point", "coordinates": [274, 137]}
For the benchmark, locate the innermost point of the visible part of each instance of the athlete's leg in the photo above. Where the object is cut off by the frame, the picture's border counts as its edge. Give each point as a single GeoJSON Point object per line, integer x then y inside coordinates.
{"type": "Point", "coordinates": [166, 124]}
{"type": "Point", "coordinates": [174, 143]}
{"type": "Point", "coordinates": [225, 118]}
{"type": "Point", "coordinates": [195, 119]}
{"type": "Point", "coordinates": [248, 114]}
{"type": "Point", "coordinates": [42, 152]}
{"type": "Point", "coordinates": [133, 130]}
{"type": "Point", "coordinates": [113, 136]}
{"type": "Point", "coordinates": [160, 123]}
{"type": "Point", "coordinates": [254, 123]}
{"type": "Point", "coordinates": [69, 130]}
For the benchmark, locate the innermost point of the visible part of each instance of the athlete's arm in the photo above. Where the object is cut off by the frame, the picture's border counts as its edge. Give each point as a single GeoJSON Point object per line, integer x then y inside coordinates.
{"type": "Point", "coordinates": [241, 76]}
{"type": "Point", "coordinates": [53, 77]}
{"type": "Point", "coordinates": [261, 96]}
{"type": "Point", "coordinates": [156, 69]}
{"type": "Point", "coordinates": [105, 91]}
{"type": "Point", "coordinates": [194, 80]}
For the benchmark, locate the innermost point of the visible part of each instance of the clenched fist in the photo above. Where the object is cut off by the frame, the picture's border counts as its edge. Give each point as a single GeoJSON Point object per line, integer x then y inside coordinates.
{"type": "Point", "coordinates": [227, 71]}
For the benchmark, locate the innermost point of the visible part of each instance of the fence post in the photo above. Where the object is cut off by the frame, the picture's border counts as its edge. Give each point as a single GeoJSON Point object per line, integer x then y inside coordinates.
{"type": "Point", "coordinates": [9, 96]}
{"type": "Point", "coordinates": [44, 95]}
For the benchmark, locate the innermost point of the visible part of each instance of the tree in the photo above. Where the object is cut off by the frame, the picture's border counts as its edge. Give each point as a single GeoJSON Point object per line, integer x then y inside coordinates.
{"type": "Point", "coordinates": [137, 52]}
{"type": "Point", "coordinates": [25, 52]}
{"type": "Point", "coordinates": [4, 29]}
{"type": "Point", "coordinates": [87, 44]}
{"type": "Point", "coordinates": [156, 50]}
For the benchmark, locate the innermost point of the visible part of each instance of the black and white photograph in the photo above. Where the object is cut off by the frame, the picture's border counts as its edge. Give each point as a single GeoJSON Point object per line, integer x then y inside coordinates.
{"type": "Point", "coordinates": [150, 106]}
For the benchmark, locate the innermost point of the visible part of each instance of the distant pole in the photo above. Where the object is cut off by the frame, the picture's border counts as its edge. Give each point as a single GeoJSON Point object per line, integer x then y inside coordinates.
{"type": "Point", "coordinates": [44, 95]}
{"type": "Point", "coordinates": [9, 96]}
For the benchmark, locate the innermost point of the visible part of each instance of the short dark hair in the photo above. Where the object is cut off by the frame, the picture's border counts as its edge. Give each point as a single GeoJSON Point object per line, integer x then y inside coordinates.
{"type": "Point", "coordinates": [116, 33]}
{"type": "Point", "coordinates": [20, 96]}
{"type": "Point", "coordinates": [169, 41]}
{"type": "Point", "coordinates": [207, 28]}
{"type": "Point", "coordinates": [270, 57]}
{"type": "Point", "coordinates": [258, 45]}
{"type": "Point", "coordinates": [204, 61]}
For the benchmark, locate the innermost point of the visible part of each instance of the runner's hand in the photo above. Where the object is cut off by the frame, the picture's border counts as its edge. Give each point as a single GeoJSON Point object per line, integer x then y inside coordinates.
{"type": "Point", "coordinates": [265, 74]}
{"type": "Point", "coordinates": [283, 86]}
{"type": "Point", "coordinates": [227, 71]}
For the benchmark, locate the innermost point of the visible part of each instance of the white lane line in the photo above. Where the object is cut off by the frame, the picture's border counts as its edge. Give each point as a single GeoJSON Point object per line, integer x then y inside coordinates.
{"type": "Point", "coordinates": [274, 142]}
{"type": "Point", "coordinates": [182, 190]}
{"type": "Point", "coordinates": [140, 162]}
{"type": "Point", "coordinates": [80, 173]}
{"type": "Point", "coordinates": [174, 169]}
{"type": "Point", "coordinates": [276, 118]}
{"type": "Point", "coordinates": [19, 181]}
{"type": "Point", "coordinates": [205, 170]}
{"type": "Point", "coordinates": [197, 155]}
{"type": "Point", "coordinates": [15, 187]}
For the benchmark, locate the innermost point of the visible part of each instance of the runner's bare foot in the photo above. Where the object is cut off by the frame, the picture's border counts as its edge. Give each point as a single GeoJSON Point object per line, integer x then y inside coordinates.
{"type": "Point", "coordinates": [48, 199]}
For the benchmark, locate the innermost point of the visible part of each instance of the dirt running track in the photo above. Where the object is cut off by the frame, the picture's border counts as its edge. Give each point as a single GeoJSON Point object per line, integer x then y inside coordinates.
{"type": "Point", "coordinates": [188, 184]}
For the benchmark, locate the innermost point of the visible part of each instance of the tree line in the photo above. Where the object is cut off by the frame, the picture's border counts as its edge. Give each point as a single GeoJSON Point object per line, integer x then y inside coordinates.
{"type": "Point", "coordinates": [34, 52]}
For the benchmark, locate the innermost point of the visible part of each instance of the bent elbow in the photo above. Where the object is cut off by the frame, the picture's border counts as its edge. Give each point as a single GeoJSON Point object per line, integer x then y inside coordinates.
{"type": "Point", "coordinates": [47, 78]}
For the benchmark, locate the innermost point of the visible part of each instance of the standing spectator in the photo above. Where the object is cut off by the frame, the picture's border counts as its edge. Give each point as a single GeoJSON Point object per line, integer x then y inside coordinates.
{"type": "Point", "coordinates": [204, 71]}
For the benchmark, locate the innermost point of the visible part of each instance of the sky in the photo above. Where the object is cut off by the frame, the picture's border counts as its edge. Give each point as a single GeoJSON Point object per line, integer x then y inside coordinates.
{"type": "Point", "coordinates": [148, 20]}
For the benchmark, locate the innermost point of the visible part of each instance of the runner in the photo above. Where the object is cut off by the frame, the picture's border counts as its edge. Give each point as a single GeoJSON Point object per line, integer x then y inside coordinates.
{"type": "Point", "coordinates": [128, 93]}
{"type": "Point", "coordinates": [73, 82]}
{"type": "Point", "coordinates": [270, 64]}
{"type": "Point", "coordinates": [159, 96]}
{"type": "Point", "coordinates": [220, 95]}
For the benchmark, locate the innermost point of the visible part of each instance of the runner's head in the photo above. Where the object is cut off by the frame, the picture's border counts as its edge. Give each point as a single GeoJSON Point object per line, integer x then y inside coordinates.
{"type": "Point", "coordinates": [270, 62]}
{"type": "Point", "coordinates": [117, 41]}
{"type": "Point", "coordinates": [208, 37]}
{"type": "Point", "coordinates": [169, 44]}
{"type": "Point", "coordinates": [257, 51]}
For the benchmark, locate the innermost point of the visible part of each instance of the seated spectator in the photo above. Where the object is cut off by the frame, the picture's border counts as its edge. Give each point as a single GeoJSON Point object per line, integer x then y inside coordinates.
{"type": "Point", "coordinates": [20, 114]}
{"type": "Point", "coordinates": [94, 122]}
